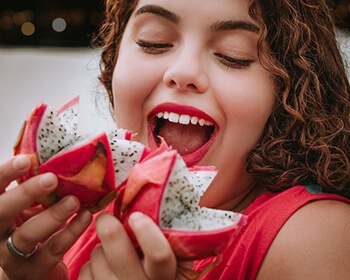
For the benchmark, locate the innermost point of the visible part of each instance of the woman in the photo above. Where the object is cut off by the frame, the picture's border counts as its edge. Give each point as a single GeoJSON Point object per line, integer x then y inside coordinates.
{"type": "Point", "coordinates": [268, 79]}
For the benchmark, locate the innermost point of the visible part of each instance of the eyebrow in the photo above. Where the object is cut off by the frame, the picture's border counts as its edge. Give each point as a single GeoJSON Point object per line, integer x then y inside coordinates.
{"type": "Point", "coordinates": [233, 24]}
{"type": "Point", "coordinates": [159, 11]}
{"type": "Point", "coordinates": [219, 26]}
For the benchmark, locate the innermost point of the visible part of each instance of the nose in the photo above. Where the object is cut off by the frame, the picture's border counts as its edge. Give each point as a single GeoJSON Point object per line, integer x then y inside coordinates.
{"type": "Point", "coordinates": [187, 72]}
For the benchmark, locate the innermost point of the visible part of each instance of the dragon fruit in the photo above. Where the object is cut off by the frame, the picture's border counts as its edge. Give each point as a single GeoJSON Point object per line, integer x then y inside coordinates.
{"type": "Point", "coordinates": [126, 154]}
{"type": "Point", "coordinates": [97, 166]}
{"type": "Point", "coordinates": [91, 167]}
{"type": "Point", "coordinates": [162, 187]}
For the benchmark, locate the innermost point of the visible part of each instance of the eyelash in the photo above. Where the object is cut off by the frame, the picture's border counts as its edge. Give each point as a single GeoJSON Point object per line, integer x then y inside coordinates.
{"type": "Point", "coordinates": [231, 62]}
{"type": "Point", "coordinates": [153, 48]}
{"type": "Point", "coordinates": [227, 61]}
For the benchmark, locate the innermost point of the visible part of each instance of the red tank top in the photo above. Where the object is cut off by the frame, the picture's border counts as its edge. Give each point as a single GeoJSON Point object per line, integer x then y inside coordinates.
{"type": "Point", "coordinates": [79, 254]}
{"type": "Point", "coordinates": [241, 260]}
{"type": "Point", "coordinates": [266, 216]}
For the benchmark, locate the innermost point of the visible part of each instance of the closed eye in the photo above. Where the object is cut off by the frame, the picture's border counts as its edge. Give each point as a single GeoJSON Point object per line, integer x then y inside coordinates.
{"type": "Point", "coordinates": [231, 62]}
{"type": "Point", "coordinates": [153, 47]}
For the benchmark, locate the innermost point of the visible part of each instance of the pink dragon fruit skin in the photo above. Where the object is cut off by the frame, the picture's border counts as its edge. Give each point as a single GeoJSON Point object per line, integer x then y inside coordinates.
{"type": "Point", "coordinates": [44, 125]}
{"type": "Point", "coordinates": [26, 141]}
{"type": "Point", "coordinates": [147, 191]}
{"type": "Point", "coordinates": [85, 171]}
{"type": "Point", "coordinates": [84, 167]}
{"type": "Point", "coordinates": [195, 245]}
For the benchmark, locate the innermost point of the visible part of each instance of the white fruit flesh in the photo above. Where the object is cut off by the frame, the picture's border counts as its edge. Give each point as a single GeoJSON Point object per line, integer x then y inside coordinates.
{"type": "Point", "coordinates": [179, 208]}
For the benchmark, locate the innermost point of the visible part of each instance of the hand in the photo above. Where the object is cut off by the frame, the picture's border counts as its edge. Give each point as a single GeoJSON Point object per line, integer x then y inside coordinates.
{"type": "Point", "coordinates": [35, 226]}
{"type": "Point", "coordinates": [117, 258]}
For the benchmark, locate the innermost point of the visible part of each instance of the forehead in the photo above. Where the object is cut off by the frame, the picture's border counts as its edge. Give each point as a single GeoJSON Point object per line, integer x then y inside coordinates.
{"type": "Point", "coordinates": [203, 9]}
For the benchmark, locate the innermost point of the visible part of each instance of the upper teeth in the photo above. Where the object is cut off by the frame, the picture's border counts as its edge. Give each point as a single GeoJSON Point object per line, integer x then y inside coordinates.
{"type": "Point", "coordinates": [183, 119]}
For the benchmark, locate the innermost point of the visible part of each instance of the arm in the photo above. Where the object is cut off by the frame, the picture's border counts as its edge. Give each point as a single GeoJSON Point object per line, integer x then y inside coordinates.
{"type": "Point", "coordinates": [313, 244]}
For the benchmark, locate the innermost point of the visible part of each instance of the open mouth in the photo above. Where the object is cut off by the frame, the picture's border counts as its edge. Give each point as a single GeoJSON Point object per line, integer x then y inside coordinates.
{"type": "Point", "coordinates": [191, 135]}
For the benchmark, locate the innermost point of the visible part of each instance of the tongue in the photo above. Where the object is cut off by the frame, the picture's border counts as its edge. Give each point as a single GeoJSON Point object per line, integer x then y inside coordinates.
{"type": "Point", "coordinates": [184, 138]}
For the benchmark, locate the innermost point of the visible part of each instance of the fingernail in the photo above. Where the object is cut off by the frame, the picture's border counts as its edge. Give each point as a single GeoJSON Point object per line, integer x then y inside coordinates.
{"type": "Point", "coordinates": [70, 204]}
{"type": "Point", "coordinates": [47, 180]}
{"type": "Point", "coordinates": [136, 215]}
{"type": "Point", "coordinates": [21, 163]}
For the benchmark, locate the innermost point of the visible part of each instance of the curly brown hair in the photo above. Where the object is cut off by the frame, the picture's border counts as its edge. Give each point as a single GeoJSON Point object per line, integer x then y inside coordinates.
{"type": "Point", "coordinates": [306, 139]}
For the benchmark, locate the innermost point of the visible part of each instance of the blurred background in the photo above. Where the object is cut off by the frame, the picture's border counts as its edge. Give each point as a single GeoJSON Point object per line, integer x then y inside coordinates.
{"type": "Point", "coordinates": [72, 23]}
{"type": "Point", "coordinates": [64, 23]}
{"type": "Point", "coordinates": [46, 56]}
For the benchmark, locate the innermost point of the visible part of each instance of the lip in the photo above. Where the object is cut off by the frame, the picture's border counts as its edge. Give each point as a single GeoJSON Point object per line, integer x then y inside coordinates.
{"type": "Point", "coordinates": [181, 109]}
{"type": "Point", "coordinates": [192, 158]}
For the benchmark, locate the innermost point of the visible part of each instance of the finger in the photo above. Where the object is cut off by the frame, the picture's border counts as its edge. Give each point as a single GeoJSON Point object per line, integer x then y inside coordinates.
{"type": "Point", "coordinates": [118, 248]}
{"type": "Point", "coordinates": [47, 259]}
{"type": "Point", "coordinates": [54, 249]}
{"type": "Point", "coordinates": [13, 169]}
{"type": "Point", "coordinates": [21, 197]}
{"type": "Point", "coordinates": [27, 214]}
{"type": "Point", "coordinates": [60, 272]}
{"type": "Point", "coordinates": [50, 254]}
{"type": "Point", "coordinates": [159, 259]}
{"type": "Point", "coordinates": [99, 265]}
{"type": "Point", "coordinates": [85, 272]}
{"type": "Point", "coordinates": [43, 225]}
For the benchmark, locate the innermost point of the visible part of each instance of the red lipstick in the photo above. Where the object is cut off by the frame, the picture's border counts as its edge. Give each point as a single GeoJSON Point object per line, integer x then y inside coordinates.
{"type": "Point", "coordinates": [197, 155]}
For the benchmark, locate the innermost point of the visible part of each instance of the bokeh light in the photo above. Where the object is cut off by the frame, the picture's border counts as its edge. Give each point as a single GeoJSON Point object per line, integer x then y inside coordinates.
{"type": "Point", "coordinates": [28, 28]}
{"type": "Point", "coordinates": [59, 24]}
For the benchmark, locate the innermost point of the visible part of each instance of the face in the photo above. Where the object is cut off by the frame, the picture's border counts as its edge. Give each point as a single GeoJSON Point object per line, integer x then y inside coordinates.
{"type": "Point", "coordinates": [188, 71]}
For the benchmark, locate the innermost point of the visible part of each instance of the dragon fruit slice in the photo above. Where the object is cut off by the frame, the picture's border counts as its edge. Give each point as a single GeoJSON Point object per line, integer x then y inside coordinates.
{"type": "Point", "coordinates": [162, 187]}
{"type": "Point", "coordinates": [91, 167]}
{"type": "Point", "coordinates": [126, 154]}
{"type": "Point", "coordinates": [85, 170]}
{"type": "Point", "coordinates": [45, 134]}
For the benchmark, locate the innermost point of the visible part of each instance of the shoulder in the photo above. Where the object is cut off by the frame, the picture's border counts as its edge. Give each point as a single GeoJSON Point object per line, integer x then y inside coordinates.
{"type": "Point", "coordinates": [313, 244]}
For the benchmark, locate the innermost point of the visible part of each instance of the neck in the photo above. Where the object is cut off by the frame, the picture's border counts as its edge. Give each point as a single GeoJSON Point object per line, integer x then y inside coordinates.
{"type": "Point", "coordinates": [248, 197]}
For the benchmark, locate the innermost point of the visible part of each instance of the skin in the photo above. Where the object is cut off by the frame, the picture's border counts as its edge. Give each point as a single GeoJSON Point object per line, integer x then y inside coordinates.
{"type": "Point", "coordinates": [193, 71]}
{"type": "Point", "coordinates": [320, 250]}
{"type": "Point", "coordinates": [35, 225]}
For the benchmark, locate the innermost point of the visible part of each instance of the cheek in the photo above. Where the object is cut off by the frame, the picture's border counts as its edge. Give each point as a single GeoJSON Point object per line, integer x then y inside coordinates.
{"type": "Point", "coordinates": [134, 80]}
{"type": "Point", "coordinates": [249, 96]}
{"type": "Point", "coordinates": [247, 102]}
{"type": "Point", "coordinates": [129, 96]}
{"type": "Point", "coordinates": [135, 76]}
